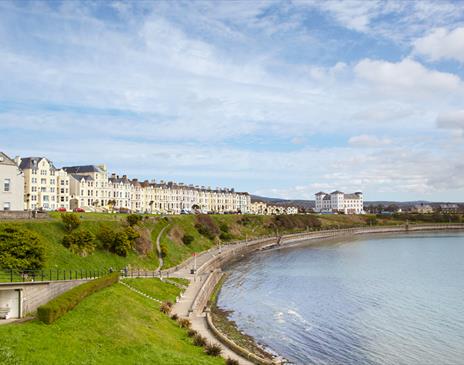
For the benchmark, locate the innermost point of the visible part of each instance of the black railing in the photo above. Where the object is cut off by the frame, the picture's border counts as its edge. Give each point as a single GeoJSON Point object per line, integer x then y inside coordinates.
{"type": "Point", "coordinates": [23, 276]}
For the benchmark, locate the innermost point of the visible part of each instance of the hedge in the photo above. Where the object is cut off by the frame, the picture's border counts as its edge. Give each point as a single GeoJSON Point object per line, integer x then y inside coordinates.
{"type": "Point", "coordinates": [50, 312]}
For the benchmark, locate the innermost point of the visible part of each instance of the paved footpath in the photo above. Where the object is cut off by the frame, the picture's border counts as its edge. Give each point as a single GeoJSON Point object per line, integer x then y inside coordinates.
{"type": "Point", "coordinates": [182, 308]}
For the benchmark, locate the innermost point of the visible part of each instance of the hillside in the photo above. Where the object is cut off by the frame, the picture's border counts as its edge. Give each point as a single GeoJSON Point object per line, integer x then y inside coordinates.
{"type": "Point", "coordinates": [113, 326]}
{"type": "Point", "coordinates": [184, 235]}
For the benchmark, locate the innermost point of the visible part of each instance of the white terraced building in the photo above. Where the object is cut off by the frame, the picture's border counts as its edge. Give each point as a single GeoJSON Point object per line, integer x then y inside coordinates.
{"type": "Point", "coordinates": [338, 201]}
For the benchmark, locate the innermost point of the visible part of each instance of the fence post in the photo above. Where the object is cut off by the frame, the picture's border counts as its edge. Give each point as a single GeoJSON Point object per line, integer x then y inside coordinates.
{"type": "Point", "coordinates": [11, 275]}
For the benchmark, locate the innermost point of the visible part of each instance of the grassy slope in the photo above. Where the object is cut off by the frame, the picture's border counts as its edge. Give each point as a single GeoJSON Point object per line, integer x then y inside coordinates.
{"type": "Point", "coordinates": [59, 257]}
{"type": "Point", "coordinates": [155, 287]}
{"type": "Point", "coordinates": [99, 331]}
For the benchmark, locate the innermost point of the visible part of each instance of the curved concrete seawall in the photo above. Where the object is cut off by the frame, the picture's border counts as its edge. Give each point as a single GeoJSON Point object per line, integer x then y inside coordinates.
{"type": "Point", "coordinates": [211, 267]}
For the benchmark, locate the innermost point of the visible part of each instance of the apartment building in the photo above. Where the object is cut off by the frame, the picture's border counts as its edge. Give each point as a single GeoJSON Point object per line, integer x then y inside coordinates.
{"type": "Point", "coordinates": [338, 201]}
{"type": "Point", "coordinates": [42, 184]}
{"type": "Point", "coordinates": [11, 184]}
{"type": "Point", "coordinates": [261, 208]}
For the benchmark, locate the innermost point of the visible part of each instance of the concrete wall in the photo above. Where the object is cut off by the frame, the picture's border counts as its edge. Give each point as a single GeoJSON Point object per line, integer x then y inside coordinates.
{"type": "Point", "coordinates": [33, 295]}
{"type": "Point", "coordinates": [22, 215]}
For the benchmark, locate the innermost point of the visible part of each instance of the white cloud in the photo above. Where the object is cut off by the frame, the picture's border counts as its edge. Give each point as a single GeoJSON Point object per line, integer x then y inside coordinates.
{"type": "Point", "coordinates": [442, 44]}
{"type": "Point", "coordinates": [451, 120]}
{"type": "Point", "coordinates": [365, 140]}
{"type": "Point", "coordinates": [407, 77]}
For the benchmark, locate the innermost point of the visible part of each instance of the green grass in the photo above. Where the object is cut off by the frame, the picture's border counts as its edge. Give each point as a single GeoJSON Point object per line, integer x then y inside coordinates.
{"type": "Point", "coordinates": [113, 326]}
{"type": "Point", "coordinates": [155, 287]}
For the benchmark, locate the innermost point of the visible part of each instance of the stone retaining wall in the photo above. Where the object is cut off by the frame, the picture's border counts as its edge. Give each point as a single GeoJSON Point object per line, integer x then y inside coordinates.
{"type": "Point", "coordinates": [21, 214]}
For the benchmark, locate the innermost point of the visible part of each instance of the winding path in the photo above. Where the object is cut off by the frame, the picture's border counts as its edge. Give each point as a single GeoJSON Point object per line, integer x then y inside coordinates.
{"type": "Point", "coordinates": [158, 248]}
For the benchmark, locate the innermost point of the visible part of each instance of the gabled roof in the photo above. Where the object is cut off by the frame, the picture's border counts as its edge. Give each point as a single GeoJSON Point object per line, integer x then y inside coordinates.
{"type": "Point", "coordinates": [81, 169]}
{"type": "Point", "coordinates": [320, 193]}
{"type": "Point", "coordinates": [352, 196]}
{"type": "Point", "coordinates": [336, 192]}
{"type": "Point", "coordinates": [80, 177]}
{"type": "Point", "coordinates": [32, 163]}
{"type": "Point", "coordinates": [5, 160]}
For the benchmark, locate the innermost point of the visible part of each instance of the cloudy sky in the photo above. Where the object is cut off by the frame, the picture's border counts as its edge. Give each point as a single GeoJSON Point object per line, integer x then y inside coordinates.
{"type": "Point", "coordinates": [278, 98]}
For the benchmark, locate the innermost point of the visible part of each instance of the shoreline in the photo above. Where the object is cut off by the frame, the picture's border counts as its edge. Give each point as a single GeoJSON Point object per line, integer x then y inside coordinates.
{"type": "Point", "coordinates": [212, 262]}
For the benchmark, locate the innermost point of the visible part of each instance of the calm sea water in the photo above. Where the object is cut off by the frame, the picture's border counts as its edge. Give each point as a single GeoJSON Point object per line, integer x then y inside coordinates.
{"type": "Point", "coordinates": [382, 300]}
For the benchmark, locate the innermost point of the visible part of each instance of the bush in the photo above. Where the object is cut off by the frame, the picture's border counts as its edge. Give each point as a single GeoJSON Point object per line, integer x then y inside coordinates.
{"type": "Point", "coordinates": [119, 242]}
{"type": "Point", "coordinates": [184, 323]}
{"type": "Point", "coordinates": [192, 333]}
{"type": "Point", "coordinates": [230, 361]}
{"type": "Point", "coordinates": [174, 317]}
{"type": "Point", "coordinates": [225, 236]}
{"type": "Point", "coordinates": [206, 226]}
{"type": "Point", "coordinates": [164, 250]}
{"type": "Point", "coordinates": [20, 249]}
{"type": "Point", "coordinates": [224, 227]}
{"type": "Point", "coordinates": [187, 239]}
{"type": "Point", "coordinates": [131, 234]}
{"type": "Point", "coordinates": [372, 221]}
{"type": "Point", "coordinates": [297, 221]}
{"type": "Point", "coordinates": [199, 340]}
{"type": "Point", "coordinates": [62, 304]}
{"type": "Point", "coordinates": [80, 242]}
{"type": "Point", "coordinates": [213, 349]}
{"type": "Point", "coordinates": [71, 221]}
{"type": "Point", "coordinates": [166, 307]}
{"type": "Point", "coordinates": [133, 219]}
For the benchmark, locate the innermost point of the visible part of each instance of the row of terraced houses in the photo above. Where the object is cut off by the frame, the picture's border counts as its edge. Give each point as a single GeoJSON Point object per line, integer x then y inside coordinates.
{"type": "Point", "coordinates": [34, 183]}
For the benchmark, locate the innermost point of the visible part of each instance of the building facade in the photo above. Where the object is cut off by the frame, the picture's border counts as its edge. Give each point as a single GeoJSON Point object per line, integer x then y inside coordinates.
{"type": "Point", "coordinates": [11, 185]}
{"type": "Point", "coordinates": [338, 201]}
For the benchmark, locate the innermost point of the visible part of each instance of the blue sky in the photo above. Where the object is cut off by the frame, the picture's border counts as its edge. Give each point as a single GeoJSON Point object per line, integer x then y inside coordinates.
{"type": "Point", "coordinates": [278, 98]}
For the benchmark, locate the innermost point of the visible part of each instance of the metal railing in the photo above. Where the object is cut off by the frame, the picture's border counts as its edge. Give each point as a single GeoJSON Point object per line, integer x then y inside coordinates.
{"type": "Point", "coordinates": [27, 276]}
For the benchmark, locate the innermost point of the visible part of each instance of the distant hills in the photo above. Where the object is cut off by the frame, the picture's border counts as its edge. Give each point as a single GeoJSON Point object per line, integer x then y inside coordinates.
{"type": "Point", "coordinates": [311, 203]}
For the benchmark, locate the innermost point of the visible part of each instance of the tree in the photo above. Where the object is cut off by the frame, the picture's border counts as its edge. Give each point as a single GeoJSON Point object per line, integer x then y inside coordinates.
{"type": "Point", "coordinates": [20, 249]}
{"type": "Point", "coordinates": [131, 233]}
{"type": "Point", "coordinates": [71, 221]}
{"type": "Point", "coordinates": [121, 244]}
{"type": "Point", "coordinates": [80, 242]}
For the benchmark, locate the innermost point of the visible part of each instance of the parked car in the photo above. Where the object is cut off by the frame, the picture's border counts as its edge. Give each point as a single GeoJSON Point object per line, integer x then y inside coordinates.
{"type": "Point", "coordinates": [79, 210]}
{"type": "Point", "coordinates": [61, 210]}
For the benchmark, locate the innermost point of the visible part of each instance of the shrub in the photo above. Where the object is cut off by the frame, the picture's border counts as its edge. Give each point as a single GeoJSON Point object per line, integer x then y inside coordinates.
{"type": "Point", "coordinates": [225, 236]}
{"type": "Point", "coordinates": [230, 361]}
{"type": "Point", "coordinates": [131, 234]}
{"type": "Point", "coordinates": [80, 242]}
{"type": "Point", "coordinates": [20, 249]}
{"type": "Point", "coordinates": [164, 250]}
{"type": "Point", "coordinates": [62, 304]}
{"type": "Point", "coordinates": [297, 221]}
{"type": "Point", "coordinates": [199, 340]}
{"type": "Point", "coordinates": [372, 221]}
{"type": "Point", "coordinates": [133, 219]}
{"type": "Point", "coordinates": [187, 239]}
{"type": "Point", "coordinates": [166, 307]}
{"type": "Point", "coordinates": [224, 227]}
{"type": "Point", "coordinates": [71, 221]}
{"type": "Point", "coordinates": [184, 323]}
{"type": "Point", "coordinates": [192, 333]}
{"type": "Point", "coordinates": [174, 317]}
{"type": "Point", "coordinates": [121, 244]}
{"type": "Point", "coordinates": [106, 235]}
{"type": "Point", "coordinates": [206, 226]}
{"type": "Point", "coordinates": [117, 241]}
{"type": "Point", "coordinates": [213, 349]}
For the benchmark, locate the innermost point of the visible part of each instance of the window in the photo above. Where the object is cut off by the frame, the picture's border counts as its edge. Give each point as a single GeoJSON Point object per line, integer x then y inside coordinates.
{"type": "Point", "coordinates": [62, 182]}
{"type": "Point", "coordinates": [43, 172]}
{"type": "Point", "coordinates": [45, 198]}
{"type": "Point", "coordinates": [52, 190]}
{"type": "Point", "coordinates": [52, 181]}
{"type": "Point", "coordinates": [62, 190]}
{"type": "Point", "coordinates": [6, 206]}
{"type": "Point", "coordinates": [6, 185]}
{"type": "Point", "coordinates": [43, 181]}
{"type": "Point", "coordinates": [34, 172]}
{"type": "Point", "coordinates": [33, 198]}
{"type": "Point", "coordinates": [43, 189]}
{"type": "Point", "coordinates": [62, 199]}
{"type": "Point", "coordinates": [52, 172]}
{"type": "Point", "coordinates": [34, 189]}
{"type": "Point", "coordinates": [34, 180]}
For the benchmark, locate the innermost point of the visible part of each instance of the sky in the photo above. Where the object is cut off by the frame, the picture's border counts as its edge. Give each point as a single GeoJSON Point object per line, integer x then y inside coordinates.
{"type": "Point", "coordinates": [277, 98]}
